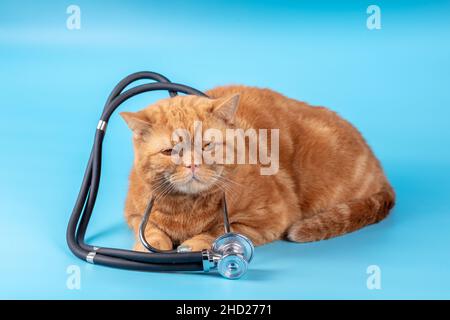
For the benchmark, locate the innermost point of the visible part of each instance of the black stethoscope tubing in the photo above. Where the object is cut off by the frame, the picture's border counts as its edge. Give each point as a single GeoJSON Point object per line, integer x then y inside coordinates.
{"type": "Point", "coordinates": [84, 205]}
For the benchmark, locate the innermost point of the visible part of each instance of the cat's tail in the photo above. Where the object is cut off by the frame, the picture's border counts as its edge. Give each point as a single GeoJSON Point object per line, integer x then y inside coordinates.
{"type": "Point", "coordinates": [343, 218]}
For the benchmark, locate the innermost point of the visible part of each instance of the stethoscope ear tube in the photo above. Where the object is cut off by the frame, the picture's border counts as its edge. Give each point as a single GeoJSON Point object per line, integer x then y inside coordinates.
{"type": "Point", "coordinates": [142, 227]}
{"type": "Point", "coordinates": [231, 256]}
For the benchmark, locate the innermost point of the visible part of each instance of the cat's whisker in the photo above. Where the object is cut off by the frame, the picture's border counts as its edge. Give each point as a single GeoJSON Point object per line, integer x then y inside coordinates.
{"type": "Point", "coordinates": [230, 192]}
{"type": "Point", "coordinates": [162, 192]}
{"type": "Point", "coordinates": [159, 178]}
{"type": "Point", "coordinates": [231, 181]}
{"type": "Point", "coordinates": [159, 186]}
{"type": "Point", "coordinates": [158, 182]}
{"type": "Point", "coordinates": [162, 188]}
{"type": "Point", "coordinates": [168, 190]}
{"type": "Point", "coordinates": [230, 196]}
{"type": "Point", "coordinates": [228, 181]}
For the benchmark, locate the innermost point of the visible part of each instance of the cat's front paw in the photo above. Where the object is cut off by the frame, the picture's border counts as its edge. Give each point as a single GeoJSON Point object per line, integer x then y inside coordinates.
{"type": "Point", "coordinates": [157, 243]}
{"type": "Point", "coordinates": [194, 245]}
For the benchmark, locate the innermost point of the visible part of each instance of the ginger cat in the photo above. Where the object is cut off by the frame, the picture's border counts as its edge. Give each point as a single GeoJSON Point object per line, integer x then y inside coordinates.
{"type": "Point", "coordinates": [329, 182]}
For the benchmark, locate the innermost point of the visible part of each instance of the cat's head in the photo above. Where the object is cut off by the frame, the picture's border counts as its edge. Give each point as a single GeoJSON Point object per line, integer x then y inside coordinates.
{"type": "Point", "coordinates": [156, 137]}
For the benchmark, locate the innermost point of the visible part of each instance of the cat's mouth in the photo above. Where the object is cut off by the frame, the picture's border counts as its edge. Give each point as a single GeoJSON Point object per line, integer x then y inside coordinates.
{"type": "Point", "coordinates": [186, 182]}
{"type": "Point", "coordinates": [192, 184]}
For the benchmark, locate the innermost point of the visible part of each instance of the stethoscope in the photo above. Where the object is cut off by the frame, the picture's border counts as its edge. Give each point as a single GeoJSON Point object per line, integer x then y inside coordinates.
{"type": "Point", "coordinates": [230, 253]}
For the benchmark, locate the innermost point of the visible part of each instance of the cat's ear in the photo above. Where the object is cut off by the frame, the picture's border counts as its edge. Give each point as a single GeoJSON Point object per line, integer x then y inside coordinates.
{"type": "Point", "coordinates": [225, 108]}
{"type": "Point", "coordinates": [138, 123]}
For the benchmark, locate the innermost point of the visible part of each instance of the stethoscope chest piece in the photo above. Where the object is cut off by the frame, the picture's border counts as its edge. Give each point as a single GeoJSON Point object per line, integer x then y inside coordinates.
{"type": "Point", "coordinates": [235, 252]}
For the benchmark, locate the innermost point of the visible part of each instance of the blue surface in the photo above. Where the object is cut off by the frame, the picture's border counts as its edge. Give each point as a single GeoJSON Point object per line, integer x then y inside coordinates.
{"type": "Point", "coordinates": [393, 84]}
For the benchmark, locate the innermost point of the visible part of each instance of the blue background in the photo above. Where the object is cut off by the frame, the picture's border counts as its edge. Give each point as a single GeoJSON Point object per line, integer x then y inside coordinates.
{"type": "Point", "coordinates": [393, 84]}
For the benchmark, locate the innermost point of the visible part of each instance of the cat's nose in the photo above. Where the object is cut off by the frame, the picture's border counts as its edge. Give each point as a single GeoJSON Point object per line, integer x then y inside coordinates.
{"type": "Point", "coordinates": [193, 167]}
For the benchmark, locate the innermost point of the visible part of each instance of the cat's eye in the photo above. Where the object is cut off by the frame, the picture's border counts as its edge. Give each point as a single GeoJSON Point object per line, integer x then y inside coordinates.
{"type": "Point", "coordinates": [167, 152]}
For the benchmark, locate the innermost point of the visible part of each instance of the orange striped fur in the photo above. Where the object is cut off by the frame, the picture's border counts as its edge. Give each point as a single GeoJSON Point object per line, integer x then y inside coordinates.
{"type": "Point", "coordinates": [329, 182]}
